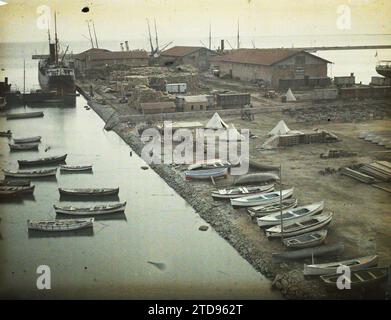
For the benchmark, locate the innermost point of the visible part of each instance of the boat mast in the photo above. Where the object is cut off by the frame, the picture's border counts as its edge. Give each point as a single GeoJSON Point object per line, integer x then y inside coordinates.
{"type": "Point", "coordinates": [96, 39]}
{"type": "Point", "coordinates": [238, 43]}
{"type": "Point", "coordinates": [89, 31]}
{"type": "Point", "coordinates": [150, 39]}
{"type": "Point", "coordinates": [157, 42]}
{"type": "Point", "coordinates": [55, 37]}
{"type": "Point", "coordinates": [210, 36]}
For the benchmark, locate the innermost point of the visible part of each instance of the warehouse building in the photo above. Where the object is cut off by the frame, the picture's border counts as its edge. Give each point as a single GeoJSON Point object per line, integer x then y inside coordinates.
{"type": "Point", "coordinates": [195, 56]}
{"type": "Point", "coordinates": [157, 107]}
{"type": "Point", "coordinates": [268, 66]}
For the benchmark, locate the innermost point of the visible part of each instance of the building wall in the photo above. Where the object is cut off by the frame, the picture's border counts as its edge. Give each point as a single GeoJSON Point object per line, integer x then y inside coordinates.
{"type": "Point", "coordinates": [198, 59]}
{"type": "Point", "coordinates": [129, 62]}
{"type": "Point", "coordinates": [194, 106]}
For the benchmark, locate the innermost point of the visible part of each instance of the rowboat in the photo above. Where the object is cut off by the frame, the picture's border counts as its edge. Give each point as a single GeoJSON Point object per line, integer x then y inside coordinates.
{"type": "Point", "coordinates": [27, 139]}
{"type": "Point", "coordinates": [25, 190]}
{"type": "Point", "coordinates": [306, 240]}
{"type": "Point", "coordinates": [71, 168]}
{"type": "Point", "coordinates": [60, 225]}
{"type": "Point", "coordinates": [329, 249]}
{"type": "Point", "coordinates": [89, 211]}
{"type": "Point", "coordinates": [25, 115]}
{"type": "Point", "coordinates": [211, 164]}
{"type": "Point", "coordinates": [10, 193]}
{"type": "Point", "coordinates": [331, 267]}
{"type": "Point", "coordinates": [23, 146]}
{"type": "Point", "coordinates": [31, 173]}
{"type": "Point", "coordinates": [295, 228]}
{"type": "Point", "coordinates": [261, 199]}
{"type": "Point", "coordinates": [241, 191]}
{"type": "Point", "coordinates": [294, 214]}
{"type": "Point", "coordinates": [40, 161]}
{"type": "Point", "coordinates": [7, 134]}
{"type": "Point", "coordinates": [206, 174]}
{"type": "Point", "coordinates": [88, 191]}
{"type": "Point", "coordinates": [358, 278]}
{"type": "Point", "coordinates": [263, 177]}
{"type": "Point", "coordinates": [15, 183]}
{"type": "Point", "coordinates": [260, 211]}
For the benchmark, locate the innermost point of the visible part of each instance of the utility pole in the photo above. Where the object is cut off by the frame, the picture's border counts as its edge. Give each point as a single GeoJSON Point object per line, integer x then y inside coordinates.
{"type": "Point", "coordinates": [96, 39]}
{"type": "Point", "coordinates": [89, 31]}
{"type": "Point", "coordinates": [238, 42]}
{"type": "Point", "coordinates": [210, 37]}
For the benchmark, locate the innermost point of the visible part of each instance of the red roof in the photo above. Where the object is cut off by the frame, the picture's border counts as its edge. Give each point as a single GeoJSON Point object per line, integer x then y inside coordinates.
{"type": "Point", "coordinates": [265, 57]}
{"type": "Point", "coordinates": [181, 51]}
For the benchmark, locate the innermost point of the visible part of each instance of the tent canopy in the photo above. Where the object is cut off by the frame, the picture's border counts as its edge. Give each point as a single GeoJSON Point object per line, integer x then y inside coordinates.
{"type": "Point", "coordinates": [280, 129]}
{"type": "Point", "coordinates": [216, 123]}
{"type": "Point", "coordinates": [289, 96]}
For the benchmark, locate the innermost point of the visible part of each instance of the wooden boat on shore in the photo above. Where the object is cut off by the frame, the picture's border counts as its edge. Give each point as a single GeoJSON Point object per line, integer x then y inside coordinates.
{"type": "Point", "coordinates": [88, 192]}
{"type": "Point", "coordinates": [25, 115]}
{"type": "Point", "coordinates": [256, 178]}
{"type": "Point", "coordinates": [261, 199]}
{"type": "Point", "coordinates": [331, 267]}
{"type": "Point", "coordinates": [15, 183]}
{"type": "Point", "coordinates": [211, 164]}
{"type": "Point", "coordinates": [27, 139]}
{"type": "Point", "coordinates": [24, 190]}
{"type": "Point", "coordinates": [23, 146]}
{"type": "Point", "coordinates": [306, 225]}
{"type": "Point", "coordinates": [329, 249]}
{"type": "Point", "coordinates": [41, 161]}
{"type": "Point", "coordinates": [91, 211]}
{"type": "Point", "coordinates": [30, 173]}
{"type": "Point", "coordinates": [359, 278]}
{"type": "Point", "coordinates": [60, 225]}
{"type": "Point", "coordinates": [260, 211]}
{"type": "Point", "coordinates": [206, 173]}
{"type": "Point", "coordinates": [72, 168]}
{"type": "Point", "coordinates": [306, 240]}
{"type": "Point", "coordinates": [241, 191]}
{"type": "Point", "coordinates": [7, 134]}
{"type": "Point", "coordinates": [289, 215]}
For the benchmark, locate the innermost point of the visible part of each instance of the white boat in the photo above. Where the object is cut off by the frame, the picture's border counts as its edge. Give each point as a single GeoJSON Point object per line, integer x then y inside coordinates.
{"type": "Point", "coordinates": [260, 211]}
{"type": "Point", "coordinates": [30, 173]}
{"type": "Point", "coordinates": [209, 164]}
{"type": "Point", "coordinates": [241, 191]}
{"type": "Point", "coordinates": [60, 225]}
{"type": "Point", "coordinates": [331, 267]}
{"type": "Point", "coordinates": [306, 240]}
{"type": "Point", "coordinates": [27, 140]}
{"type": "Point", "coordinates": [90, 211]}
{"type": "Point", "coordinates": [261, 199]}
{"type": "Point", "coordinates": [294, 214]}
{"type": "Point", "coordinates": [294, 228]}
{"type": "Point", "coordinates": [74, 168]}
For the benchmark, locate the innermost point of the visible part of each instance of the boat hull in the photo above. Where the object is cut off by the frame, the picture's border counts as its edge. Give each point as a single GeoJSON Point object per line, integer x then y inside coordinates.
{"type": "Point", "coordinates": [27, 140]}
{"type": "Point", "coordinates": [30, 174]}
{"type": "Point", "coordinates": [252, 201]}
{"type": "Point", "coordinates": [60, 225]}
{"type": "Point", "coordinates": [91, 211]}
{"type": "Point", "coordinates": [89, 192]}
{"type": "Point", "coordinates": [42, 161]}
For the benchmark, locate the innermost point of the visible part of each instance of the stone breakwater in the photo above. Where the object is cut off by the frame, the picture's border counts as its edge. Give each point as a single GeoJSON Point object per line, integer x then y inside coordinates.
{"type": "Point", "coordinates": [224, 220]}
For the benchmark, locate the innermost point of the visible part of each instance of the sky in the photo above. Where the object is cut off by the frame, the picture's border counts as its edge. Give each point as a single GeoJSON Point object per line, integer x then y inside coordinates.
{"type": "Point", "coordinates": [22, 21]}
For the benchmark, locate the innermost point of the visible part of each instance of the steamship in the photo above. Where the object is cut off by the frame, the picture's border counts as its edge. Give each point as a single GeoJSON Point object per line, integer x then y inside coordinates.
{"type": "Point", "coordinates": [56, 76]}
{"type": "Point", "coordinates": [384, 68]}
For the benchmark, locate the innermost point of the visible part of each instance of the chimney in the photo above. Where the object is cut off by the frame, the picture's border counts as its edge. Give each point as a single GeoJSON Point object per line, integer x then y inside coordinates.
{"type": "Point", "coordinates": [127, 45]}
{"type": "Point", "coordinates": [352, 74]}
{"type": "Point", "coordinates": [222, 45]}
{"type": "Point", "coordinates": [122, 46]}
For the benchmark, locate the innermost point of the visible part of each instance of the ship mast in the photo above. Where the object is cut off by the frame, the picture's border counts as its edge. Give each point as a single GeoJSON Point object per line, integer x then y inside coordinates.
{"type": "Point", "coordinates": [55, 38]}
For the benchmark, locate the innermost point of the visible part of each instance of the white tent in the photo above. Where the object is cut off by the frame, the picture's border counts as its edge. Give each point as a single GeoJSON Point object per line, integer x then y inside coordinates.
{"type": "Point", "coordinates": [280, 129]}
{"type": "Point", "coordinates": [232, 134]}
{"type": "Point", "coordinates": [216, 123]}
{"type": "Point", "coordinates": [289, 96]}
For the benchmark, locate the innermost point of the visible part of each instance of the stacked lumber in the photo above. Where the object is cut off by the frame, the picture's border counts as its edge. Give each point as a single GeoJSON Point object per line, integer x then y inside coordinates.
{"type": "Point", "coordinates": [379, 169]}
{"type": "Point", "coordinates": [357, 175]}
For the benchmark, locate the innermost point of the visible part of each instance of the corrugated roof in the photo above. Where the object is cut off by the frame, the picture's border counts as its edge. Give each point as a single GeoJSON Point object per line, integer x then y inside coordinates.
{"type": "Point", "coordinates": [180, 51]}
{"type": "Point", "coordinates": [90, 51]}
{"type": "Point", "coordinates": [195, 99]}
{"type": "Point", "coordinates": [114, 55]}
{"type": "Point", "coordinates": [265, 57]}
{"type": "Point", "coordinates": [158, 105]}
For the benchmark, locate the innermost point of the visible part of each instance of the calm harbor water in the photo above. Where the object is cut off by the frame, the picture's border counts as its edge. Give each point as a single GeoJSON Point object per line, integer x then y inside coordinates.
{"type": "Point", "coordinates": [112, 262]}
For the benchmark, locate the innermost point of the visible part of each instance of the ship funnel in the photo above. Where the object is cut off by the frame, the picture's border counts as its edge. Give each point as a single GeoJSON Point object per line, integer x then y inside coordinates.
{"type": "Point", "coordinates": [127, 45]}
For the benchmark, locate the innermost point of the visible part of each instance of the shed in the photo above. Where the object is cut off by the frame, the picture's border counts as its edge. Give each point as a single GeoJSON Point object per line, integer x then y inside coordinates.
{"type": "Point", "coordinates": [157, 107]}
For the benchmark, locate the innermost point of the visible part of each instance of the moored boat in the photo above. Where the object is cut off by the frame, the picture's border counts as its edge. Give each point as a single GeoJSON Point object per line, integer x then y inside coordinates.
{"type": "Point", "coordinates": [41, 161]}
{"type": "Point", "coordinates": [25, 115]}
{"type": "Point", "coordinates": [262, 199]}
{"type": "Point", "coordinates": [27, 139]}
{"type": "Point", "coordinates": [15, 183]}
{"type": "Point", "coordinates": [308, 224]}
{"type": "Point", "coordinates": [30, 173]}
{"type": "Point", "coordinates": [91, 211]}
{"type": "Point", "coordinates": [24, 190]}
{"type": "Point", "coordinates": [241, 191]}
{"type": "Point", "coordinates": [88, 192]}
{"type": "Point", "coordinates": [74, 168]}
{"type": "Point", "coordinates": [331, 267]}
{"type": "Point", "coordinates": [10, 193]}
{"type": "Point", "coordinates": [294, 214]}
{"type": "Point", "coordinates": [260, 211]}
{"type": "Point", "coordinates": [60, 225]}
{"type": "Point", "coordinates": [306, 240]}
{"type": "Point", "coordinates": [206, 173]}
{"type": "Point", "coordinates": [328, 249]}
{"type": "Point", "coordinates": [357, 278]}
{"type": "Point", "coordinates": [23, 146]}
{"type": "Point", "coordinates": [209, 164]}
{"type": "Point", "coordinates": [7, 134]}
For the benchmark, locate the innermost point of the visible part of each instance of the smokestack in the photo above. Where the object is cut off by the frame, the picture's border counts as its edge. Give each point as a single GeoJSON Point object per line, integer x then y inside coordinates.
{"type": "Point", "coordinates": [122, 46]}
{"type": "Point", "coordinates": [6, 80]}
{"type": "Point", "coordinates": [127, 45]}
{"type": "Point", "coordinates": [222, 45]}
{"type": "Point", "coordinates": [52, 52]}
